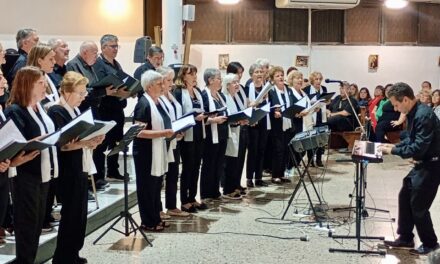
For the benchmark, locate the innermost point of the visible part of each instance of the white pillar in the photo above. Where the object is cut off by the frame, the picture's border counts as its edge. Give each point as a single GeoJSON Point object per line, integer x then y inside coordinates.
{"type": "Point", "coordinates": [172, 31]}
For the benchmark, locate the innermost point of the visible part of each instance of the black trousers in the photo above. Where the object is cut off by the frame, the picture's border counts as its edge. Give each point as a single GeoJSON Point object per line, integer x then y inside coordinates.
{"type": "Point", "coordinates": [414, 204]}
{"type": "Point", "coordinates": [4, 196]}
{"type": "Point", "coordinates": [72, 228]}
{"type": "Point", "coordinates": [234, 165]}
{"type": "Point", "coordinates": [340, 123]}
{"type": "Point", "coordinates": [280, 155]}
{"type": "Point", "coordinates": [29, 198]}
{"type": "Point", "coordinates": [382, 127]}
{"type": "Point", "coordinates": [99, 158]}
{"type": "Point", "coordinates": [191, 153]}
{"type": "Point", "coordinates": [148, 194]}
{"type": "Point", "coordinates": [256, 150]}
{"type": "Point", "coordinates": [171, 180]}
{"type": "Point", "coordinates": [212, 168]}
{"type": "Point", "coordinates": [51, 194]}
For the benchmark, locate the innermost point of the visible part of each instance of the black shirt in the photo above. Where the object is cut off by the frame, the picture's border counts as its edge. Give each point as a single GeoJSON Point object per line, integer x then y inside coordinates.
{"type": "Point", "coordinates": [198, 128]}
{"type": "Point", "coordinates": [222, 129]}
{"type": "Point", "coordinates": [57, 75]}
{"type": "Point", "coordinates": [388, 113]}
{"type": "Point", "coordinates": [140, 70]}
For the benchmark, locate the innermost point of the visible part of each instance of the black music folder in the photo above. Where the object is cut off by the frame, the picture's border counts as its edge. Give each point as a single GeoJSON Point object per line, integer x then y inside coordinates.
{"type": "Point", "coordinates": [76, 127]}
{"type": "Point", "coordinates": [326, 96]}
{"type": "Point", "coordinates": [245, 114]}
{"type": "Point", "coordinates": [258, 114]}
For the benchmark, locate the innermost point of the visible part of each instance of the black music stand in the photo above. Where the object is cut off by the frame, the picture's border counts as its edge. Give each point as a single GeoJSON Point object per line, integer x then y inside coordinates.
{"type": "Point", "coordinates": [361, 166]}
{"type": "Point", "coordinates": [126, 215]}
{"type": "Point", "coordinates": [302, 142]}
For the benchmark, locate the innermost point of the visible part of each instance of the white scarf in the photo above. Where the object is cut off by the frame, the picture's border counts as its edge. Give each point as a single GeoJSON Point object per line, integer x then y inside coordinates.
{"type": "Point", "coordinates": [54, 97]}
{"type": "Point", "coordinates": [187, 108]}
{"type": "Point", "coordinates": [252, 99]}
{"type": "Point", "coordinates": [87, 156]}
{"type": "Point", "coordinates": [45, 155]}
{"type": "Point", "coordinates": [159, 161]}
{"type": "Point", "coordinates": [243, 103]}
{"type": "Point", "coordinates": [2, 115]}
{"type": "Point", "coordinates": [307, 121]}
{"type": "Point", "coordinates": [287, 123]}
{"type": "Point", "coordinates": [234, 132]}
{"type": "Point", "coordinates": [166, 104]}
{"type": "Point", "coordinates": [323, 107]}
{"type": "Point", "coordinates": [211, 107]}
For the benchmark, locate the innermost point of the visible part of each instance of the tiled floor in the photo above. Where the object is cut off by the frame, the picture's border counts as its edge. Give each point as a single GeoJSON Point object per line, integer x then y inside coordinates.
{"type": "Point", "coordinates": [250, 231]}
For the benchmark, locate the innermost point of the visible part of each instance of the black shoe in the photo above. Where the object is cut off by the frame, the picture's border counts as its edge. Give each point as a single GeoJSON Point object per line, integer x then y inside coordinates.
{"type": "Point", "coordinates": [312, 164]}
{"type": "Point", "coordinates": [90, 196]}
{"type": "Point", "coordinates": [201, 206]}
{"type": "Point", "coordinates": [101, 184]}
{"type": "Point", "coordinates": [46, 228]}
{"type": "Point", "coordinates": [399, 244]}
{"type": "Point", "coordinates": [261, 183]}
{"type": "Point", "coordinates": [249, 183]}
{"type": "Point", "coordinates": [319, 163]}
{"type": "Point", "coordinates": [115, 177]}
{"type": "Point", "coordinates": [422, 250]}
{"type": "Point", "coordinates": [81, 260]}
{"type": "Point", "coordinates": [191, 209]}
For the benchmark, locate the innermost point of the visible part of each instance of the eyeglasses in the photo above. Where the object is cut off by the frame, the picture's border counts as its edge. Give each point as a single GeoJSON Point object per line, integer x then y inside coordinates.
{"type": "Point", "coordinates": [82, 94]}
{"type": "Point", "coordinates": [114, 46]}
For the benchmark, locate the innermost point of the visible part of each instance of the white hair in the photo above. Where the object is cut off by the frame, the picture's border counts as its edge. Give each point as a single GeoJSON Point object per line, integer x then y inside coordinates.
{"type": "Point", "coordinates": [149, 77]}
{"type": "Point", "coordinates": [165, 71]}
{"type": "Point", "coordinates": [263, 62]}
{"type": "Point", "coordinates": [229, 78]}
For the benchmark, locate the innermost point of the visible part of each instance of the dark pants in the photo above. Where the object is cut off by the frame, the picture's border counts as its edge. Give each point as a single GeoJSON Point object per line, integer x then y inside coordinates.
{"type": "Point", "coordinates": [212, 168]}
{"type": "Point", "coordinates": [72, 229]}
{"type": "Point", "coordinates": [171, 180]}
{"type": "Point", "coordinates": [99, 158]}
{"type": "Point", "coordinates": [234, 165]}
{"type": "Point", "coordinates": [148, 193]}
{"type": "Point", "coordinates": [340, 123]}
{"type": "Point", "coordinates": [414, 204]}
{"type": "Point", "coordinates": [29, 197]}
{"type": "Point", "coordinates": [191, 153]}
{"type": "Point", "coordinates": [382, 127]}
{"type": "Point", "coordinates": [255, 155]}
{"type": "Point", "coordinates": [280, 140]}
{"type": "Point", "coordinates": [51, 194]}
{"type": "Point", "coordinates": [4, 196]}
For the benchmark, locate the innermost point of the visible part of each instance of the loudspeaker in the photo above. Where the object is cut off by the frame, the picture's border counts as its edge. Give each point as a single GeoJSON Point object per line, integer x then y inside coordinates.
{"type": "Point", "coordinates": [189, 12]}
{"type": "Point", "coordinates": [141, 49]}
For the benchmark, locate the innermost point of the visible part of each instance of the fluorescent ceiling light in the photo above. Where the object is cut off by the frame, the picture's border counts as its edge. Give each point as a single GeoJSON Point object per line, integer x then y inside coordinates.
{"type": "Point", "coordinates": [396, 4]}
{"type": "Point", "coordinates": [228, 2]}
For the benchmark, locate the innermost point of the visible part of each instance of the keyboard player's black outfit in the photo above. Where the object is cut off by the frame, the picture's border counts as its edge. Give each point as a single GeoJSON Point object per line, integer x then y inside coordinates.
{"type": "Point", "coordinates": [420, 185]}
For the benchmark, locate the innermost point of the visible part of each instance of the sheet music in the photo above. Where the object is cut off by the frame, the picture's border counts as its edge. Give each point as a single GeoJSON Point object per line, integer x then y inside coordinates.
{"type": "Point", "coordinates": [51, 139]}
{"type": "Point", "coordinates": [302, 102]}
{"type": "Point", "coordinates": [266, 108]}
{"type": "Point", "coordinates": [108, 125]}
{"type": "Point", "coordinates": [10, 133]}
{"type": "Point", "coordinates": [317, 104]}
{"type": "Point", "coordinates": [263, 93]}
{"type": "Point", "coordinates": [87, 116]}
{"type": "Point", "coordinates": [183, 123]}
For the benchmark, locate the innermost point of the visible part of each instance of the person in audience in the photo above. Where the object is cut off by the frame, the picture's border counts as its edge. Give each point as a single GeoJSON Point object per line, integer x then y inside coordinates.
{"type": "Point", "coordinates": [151, 167]}
{"type": "Point", "coordinates": [425, 97]}
{"type": "Point", "coordinates": [111, 108]}
{"type": "Point", "coordinates": [34, 169]}
{"type": "Point", "coordinates": [61, 49]}
{"type": "Point", "coordinates": [280, 97]}
{"type": "Point", "coordinates": [236, 148]}
{"type": "Point", "coordinates": [153, 61]}
{"type": "Point", "coordinates": [75, 163]}
{"type": "Point", "coordinates": [190, 97]}
{"type": "Point", "coordinates": [243, 102]}
{"type": "Point", "coordinates": [258, 132]}
{"type": "Point", "coordinates": [436, 102]}
{"type": "Point", "coordinates": [420, 186]}
{"type": "Point", "coordinates": [174, 110]}
{"type": "Point", "coordinates": [26, 39]}
{"type": "Point", "coordinates": [217, 133]}
{"type": "Point", "coordinates": [319, 118]}
{"type": "Point", "coordinates": [426, 86]}
{"type": "Point", "coordinates": [364, 97]}
{"type": "Point", "coordinates": [43, 57]}
{"type": "Point", "coordinates": [341, 115]}
{"type": "Point", "coordinates": [353, 91]}
{"type": "Point", "coordinates": [379, 94]}
{"type": "Point", "coordinates": [387, 118]}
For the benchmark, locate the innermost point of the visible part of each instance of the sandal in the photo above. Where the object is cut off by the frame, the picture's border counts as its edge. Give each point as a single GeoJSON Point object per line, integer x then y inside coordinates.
{"type": "Point", "coordinates": [158, 228]}
{"type": "Point", "coordinates": [177, 212]}
{"type": "Point", "coordinates": [164, 224]}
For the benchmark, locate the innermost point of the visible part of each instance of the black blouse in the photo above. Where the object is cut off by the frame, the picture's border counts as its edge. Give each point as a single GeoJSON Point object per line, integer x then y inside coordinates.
{"type": "Point", "coordinates": [222, 129]}
{"type": "Point", "coordinates": [198, 128]}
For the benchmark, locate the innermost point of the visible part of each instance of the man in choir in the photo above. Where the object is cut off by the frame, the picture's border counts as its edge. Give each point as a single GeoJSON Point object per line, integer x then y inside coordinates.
{"type": "Point", "coordinates": [110, 108]}
{"type": "Point", "coordinates": [422, 145]}
{"type": "Point", "coordinates": [62, 51]}
{"type": "Point", "coordinates": [341, 115]}
{"type": "Point", "coordinates": [26, 39]}
{"type": "Point", "coordinates": [153, 61]}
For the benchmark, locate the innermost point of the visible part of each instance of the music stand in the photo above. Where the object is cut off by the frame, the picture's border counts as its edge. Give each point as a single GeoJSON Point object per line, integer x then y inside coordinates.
{"type": "Point", "coordinates": [302, 142]}
{"type": "Point", "coordinates": [125, 214]}
{"type": "Point", "coordinates": [361, 166]}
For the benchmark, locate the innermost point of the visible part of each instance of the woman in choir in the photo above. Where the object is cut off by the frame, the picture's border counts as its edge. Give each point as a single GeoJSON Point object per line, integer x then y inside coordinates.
{"type": "Point", "coordinates": [236, 148]}
{"type": "Point", "coordinates": [436, 102]}
{"type": "Point", "coordinates": [190, 97]}
{"type": "Point", "coordinates": [151, 167]}
{"type": "Point", "coordinates": [319, 118]}
{"type": "Point", "coordinates": [280, 97]}
{"type": "Point", "coordinates": [4, 94]}
{"type": "Point", "coordinates": [76, 163]}
{"type": "Point", "coordinates": [174, 110]}
{"type": "Point", "coordinates": [217, 133]}
{"type": "Point", "coordinates": [43, 57]}
{"type": "Point", "coordinates": [243, 101]}
{"type": "Point", "coordinates": [34, 171]}
{"type": "Point", "coordinates": [258, 132]}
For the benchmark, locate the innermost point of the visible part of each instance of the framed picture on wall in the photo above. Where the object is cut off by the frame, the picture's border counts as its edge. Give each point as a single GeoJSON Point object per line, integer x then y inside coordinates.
{"type": "Point", "coordinates": [302, 61]}
{"type": "Point", "coordinates": [373, 62]}
{"type": "Point", "coordinates": [223, 61]}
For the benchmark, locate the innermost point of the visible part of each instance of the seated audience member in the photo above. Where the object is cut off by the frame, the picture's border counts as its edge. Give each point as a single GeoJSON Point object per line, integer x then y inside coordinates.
{"type": "Point", "coordinates": [353, 91]}
{"type": "Point", "coordinates": [426, 86]}
{"type": "Point", "coordinates": [387, 118]}
{"type": "Point", "coordinates": [425, 97]}
{"type": "Point", "coordinates": [364, 97]}
{"type": "Point", "coordinates": [26, 40]}
{"type": "Point", "coordinates": [150, 168]}
{"type": "Point", "coordinates": [379, 94]}
{"type": "Point", "coordinates": [341, 115]}
{"type": "Point", "coordinates": [62, 51]}
{"type": "Point", "coordinates": [436, 102]}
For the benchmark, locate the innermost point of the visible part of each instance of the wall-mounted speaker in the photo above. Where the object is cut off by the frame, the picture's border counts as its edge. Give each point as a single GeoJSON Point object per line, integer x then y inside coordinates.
{"type": "Point", "coordinates": [141, 49]}
{"type": "Point", "coordinates": [189, 12]}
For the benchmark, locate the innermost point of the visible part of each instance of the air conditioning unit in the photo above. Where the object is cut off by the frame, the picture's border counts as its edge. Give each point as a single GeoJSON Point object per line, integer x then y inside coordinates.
{"type": "Point", "coordinates": [317, 4]}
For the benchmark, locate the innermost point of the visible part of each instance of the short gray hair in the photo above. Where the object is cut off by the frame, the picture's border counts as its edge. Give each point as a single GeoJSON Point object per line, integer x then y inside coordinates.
{"type": "Point", "coordinates": [227, 80]}
{"type": "Point", "coordinates": [209, 74]}
{"type": "Point", "coordinates": [23, 34]}
{"type": "Point", "coordinates": [85, 46]}
{"type": "Point", "coordinates": [253, 67]}
{"type": "Point", "coordinates": [154, 50]}
{"type": "Point", "coordinates": [54, 42]}
{"type": "Point", "coordinates": [165, 71]}
{"type": "Point", "coordinates": [149, 77]}
{"type": "Point", "coordinates": [107, 38]}
{"type": "Point", "coordinates": [263, 62]}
